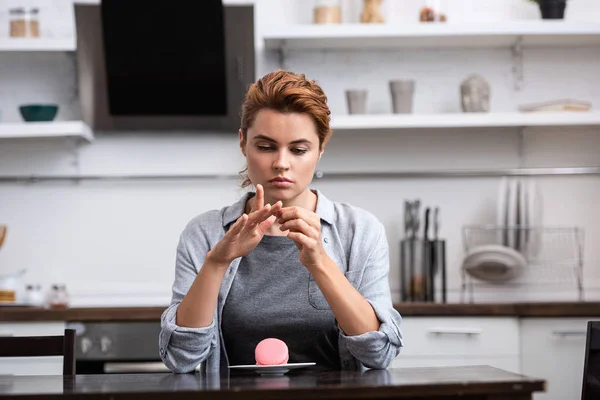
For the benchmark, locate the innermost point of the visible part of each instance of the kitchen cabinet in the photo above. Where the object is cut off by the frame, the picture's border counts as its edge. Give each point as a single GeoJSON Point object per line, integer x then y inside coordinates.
{"type": "Point", "coordinates": [32, 365]}
{"type": "Point", "coordinates": [553, 349]}
{"type": "Point", "coordinates": [455, 341]}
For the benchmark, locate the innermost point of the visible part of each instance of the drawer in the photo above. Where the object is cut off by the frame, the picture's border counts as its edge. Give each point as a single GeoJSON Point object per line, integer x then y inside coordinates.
{"type": "Point", "coordinates": [510, 364]}
{"type": "Point", "coordinates": [464, 336]}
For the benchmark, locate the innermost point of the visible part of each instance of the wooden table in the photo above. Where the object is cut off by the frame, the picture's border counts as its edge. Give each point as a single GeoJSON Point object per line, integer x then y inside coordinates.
{"type": "Point", "coordinates": [465, 383]}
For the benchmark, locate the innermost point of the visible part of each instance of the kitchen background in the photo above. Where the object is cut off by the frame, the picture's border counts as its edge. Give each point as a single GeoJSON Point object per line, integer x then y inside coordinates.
{"type": "Point", "coordinates": [113, 243]}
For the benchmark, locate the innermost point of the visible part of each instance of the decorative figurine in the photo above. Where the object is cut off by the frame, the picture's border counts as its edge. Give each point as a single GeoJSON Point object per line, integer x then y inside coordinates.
{"type": "Point", "coordinates": [475, 94]}
{"type": "Point", "coordinates": [371, 12]}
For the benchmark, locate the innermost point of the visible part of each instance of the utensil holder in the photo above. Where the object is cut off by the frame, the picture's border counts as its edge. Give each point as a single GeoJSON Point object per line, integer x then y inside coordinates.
{"type": "Point", "coordinates": [422, 269]}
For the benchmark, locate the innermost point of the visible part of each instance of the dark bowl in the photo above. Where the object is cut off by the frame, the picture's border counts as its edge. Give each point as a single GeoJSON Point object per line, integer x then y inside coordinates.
{"type": "Point", "coordinates": [38, 112]}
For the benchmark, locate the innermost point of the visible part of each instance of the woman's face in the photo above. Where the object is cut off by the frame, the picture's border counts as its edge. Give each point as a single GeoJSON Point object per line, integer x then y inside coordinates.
{"type": "Point", "coordinates": [282, 151]}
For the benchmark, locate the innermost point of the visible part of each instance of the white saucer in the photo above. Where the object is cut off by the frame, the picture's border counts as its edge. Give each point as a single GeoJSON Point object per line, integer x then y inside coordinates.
{"type": "Point", "coordinates": [272, 369]}
{"type": "Point", "coordinates": [494, 263]}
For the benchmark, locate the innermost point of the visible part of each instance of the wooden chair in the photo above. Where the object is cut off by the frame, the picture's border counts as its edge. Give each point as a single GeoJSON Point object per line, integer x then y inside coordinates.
{"type": "Point", "coordinates": [42, 346]}
{"type": "Point", "coordinates": [591, 369]}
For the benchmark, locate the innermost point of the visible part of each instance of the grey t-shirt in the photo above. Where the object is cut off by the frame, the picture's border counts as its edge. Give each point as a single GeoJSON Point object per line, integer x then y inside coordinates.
{"type": "Point", "coordinates": [269, 299]}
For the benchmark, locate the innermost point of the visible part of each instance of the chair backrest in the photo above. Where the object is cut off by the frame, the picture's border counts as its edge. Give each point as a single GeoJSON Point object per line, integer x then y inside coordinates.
{"type": "Point", "coordinates": [42, 346]}
{"type": "Point", "coordinates": [591, 371]}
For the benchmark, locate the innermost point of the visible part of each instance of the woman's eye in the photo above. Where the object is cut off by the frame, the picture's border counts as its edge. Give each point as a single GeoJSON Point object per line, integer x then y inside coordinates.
{"type": "Point", "coordinates": [264, 148]}
{"type": "Point", "coordinates": [299, 151]}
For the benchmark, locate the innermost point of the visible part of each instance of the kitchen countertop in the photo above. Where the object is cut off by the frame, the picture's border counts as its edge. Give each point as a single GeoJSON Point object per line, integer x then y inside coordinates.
{"type": "Point", "coordinates": [583, 309]}
{"type": "Point", "coordinates": [447, 383]}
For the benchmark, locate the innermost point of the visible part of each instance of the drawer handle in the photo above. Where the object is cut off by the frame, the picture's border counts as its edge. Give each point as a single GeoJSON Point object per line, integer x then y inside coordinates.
{"type": "Point", "coordinates": [456, 331]}
{"type": "Point", "coordinates": [569, 333]}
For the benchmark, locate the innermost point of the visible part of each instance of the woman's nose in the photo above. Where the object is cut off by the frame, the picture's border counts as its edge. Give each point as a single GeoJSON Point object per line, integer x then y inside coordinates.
{"type": "Point", "coordinates": [281, 161]}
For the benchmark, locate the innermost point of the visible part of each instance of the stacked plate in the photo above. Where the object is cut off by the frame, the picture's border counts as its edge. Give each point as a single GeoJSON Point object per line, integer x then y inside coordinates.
{"type": "Point", "coordinates": [518, 233]}
{"type": "Point", "coordinates": [520, 214]}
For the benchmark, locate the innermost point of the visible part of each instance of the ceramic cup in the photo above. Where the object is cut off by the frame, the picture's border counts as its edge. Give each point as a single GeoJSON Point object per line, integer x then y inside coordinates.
{"type": "Point", "coordinates": [402, 92]}
{"type": "Point", "coordinates": [357, 101]}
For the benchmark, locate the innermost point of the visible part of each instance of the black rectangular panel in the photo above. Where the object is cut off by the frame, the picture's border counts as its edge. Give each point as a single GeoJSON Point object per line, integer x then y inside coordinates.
{"type": "Point", "coordinates": [165, 58]}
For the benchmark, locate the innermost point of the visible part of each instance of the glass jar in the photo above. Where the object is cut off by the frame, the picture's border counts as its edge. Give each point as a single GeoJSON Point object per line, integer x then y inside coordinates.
{"type": "Point", "coordinates": [23, 23]}
{"type": "Point", "coordinates": [17, 22]}
{"type": "Point", "coordinates": [327, 12]}
{"type": "Point", "coordinates": [34, 295]}
{"type": "Point", "coordinates": [433, 11]}
{"type": "Point", "coordinates": [59, 297]}
{"type": "Point", "coordinates": [33, 23]}
{"type": "Point", "coordinates": [372, 12]}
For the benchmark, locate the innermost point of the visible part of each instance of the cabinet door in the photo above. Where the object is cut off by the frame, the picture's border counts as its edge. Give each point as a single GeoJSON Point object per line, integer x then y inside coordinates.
{"type": "Point", "coordinates": [32, 365]}
{"type": "Point", "coordinates": [553, 349]}
{"type": "Point", "coordinates": [458, 337]}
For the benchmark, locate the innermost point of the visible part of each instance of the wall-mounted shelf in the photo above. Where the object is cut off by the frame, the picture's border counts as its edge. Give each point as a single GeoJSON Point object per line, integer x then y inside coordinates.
{"type": "Point", "coordinates": [37, 44]}
{"type": "Point", "coordinates": [225, 2]}
{"type": "Point", "coordinates": [38, 130]}
{"type": "Point", "coordinates": [319, 175]}
{"type": "Point", "coordinates": [420, 35]}
{"type": "Point", "coordinates": [464, 120]}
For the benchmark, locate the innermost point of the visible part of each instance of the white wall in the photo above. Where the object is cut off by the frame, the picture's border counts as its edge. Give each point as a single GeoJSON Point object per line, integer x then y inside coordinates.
{"type": "Point", "coordinates": [114, 242]}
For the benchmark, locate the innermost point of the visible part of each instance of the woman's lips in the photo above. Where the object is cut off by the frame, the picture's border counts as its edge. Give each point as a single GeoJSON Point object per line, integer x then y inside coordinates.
{"type": "Point", "coordinates": [280, 183]}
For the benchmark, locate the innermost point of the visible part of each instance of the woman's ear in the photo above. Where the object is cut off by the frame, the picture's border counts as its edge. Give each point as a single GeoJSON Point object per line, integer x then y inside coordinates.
{"type": "Point", "coordinates": [242, 142]}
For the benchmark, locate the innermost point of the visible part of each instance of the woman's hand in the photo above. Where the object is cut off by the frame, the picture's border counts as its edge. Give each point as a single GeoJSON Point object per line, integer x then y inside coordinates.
{"type": "Point", "coordinates": [305, 230]}
{"type": "Point", "coordinates": [246, 232]}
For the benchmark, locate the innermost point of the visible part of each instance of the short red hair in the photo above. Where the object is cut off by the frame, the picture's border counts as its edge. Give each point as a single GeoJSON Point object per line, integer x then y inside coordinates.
{"type": "Point", "coordinates": [287, 92]}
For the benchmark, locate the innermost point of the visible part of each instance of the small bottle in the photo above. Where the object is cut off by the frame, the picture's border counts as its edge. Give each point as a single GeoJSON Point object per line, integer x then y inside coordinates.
{"type": "Point", "coordinates": [59, 297]}
{"type": "Point", "coordinates": [327, 12]}
{"type": "Point", "coordinates": [18, 24]}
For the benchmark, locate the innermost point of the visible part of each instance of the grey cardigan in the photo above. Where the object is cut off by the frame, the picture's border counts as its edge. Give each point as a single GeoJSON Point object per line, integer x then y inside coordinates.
{"type": "Point", "coordinates": [352, 237]}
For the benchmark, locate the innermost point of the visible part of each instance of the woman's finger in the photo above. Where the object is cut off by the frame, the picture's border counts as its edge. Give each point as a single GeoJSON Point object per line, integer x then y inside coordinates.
{"type": "Point", "coordinates": [299, 225]}
{"type": "Point", "coordinates": [266, 212]}
{"type": "Point", "coordinates": [276, 208]}
{"type": "Point", "coordinates": [288, 213]}
{"type": "Point", "coordinates": [237, 227]}
{"type": "Point", "coordinates": [300, 239]}
{"type": "Point", "coordinates": [260, 215]}
{"type": "Point", "coordinates": [266, 224]}
{"type": "Point", "coordinates": [310, 218]}
{"type": "Point", "coordinates": [259, 200]}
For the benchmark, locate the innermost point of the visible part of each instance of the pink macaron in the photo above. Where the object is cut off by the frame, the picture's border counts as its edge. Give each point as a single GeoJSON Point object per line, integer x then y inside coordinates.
{"type": "Point", "coordinates": [271, 351]}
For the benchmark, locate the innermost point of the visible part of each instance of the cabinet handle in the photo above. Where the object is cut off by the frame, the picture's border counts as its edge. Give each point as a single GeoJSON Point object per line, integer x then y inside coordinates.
{"type": "Point", "coordinates": [456, 331]}
{"type": "Point", "coordinates": [569, 333]}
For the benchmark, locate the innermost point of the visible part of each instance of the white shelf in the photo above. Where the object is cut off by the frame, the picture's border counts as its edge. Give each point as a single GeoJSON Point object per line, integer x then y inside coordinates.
{"type": "Point", "coordinates": [55, 129]}
{"type": "Point", "coordinates": [464, 120]}
{"type": "Point", "coordinates": [225, 2]}
{"type": "Point", "coordinates": [422, 35]}
{"type": "Point", "coordinates": [37, 44]}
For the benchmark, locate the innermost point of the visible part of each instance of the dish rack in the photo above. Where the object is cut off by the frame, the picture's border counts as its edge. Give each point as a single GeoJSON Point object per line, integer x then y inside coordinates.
{"type": "Point", "coordinates": [553, 255]}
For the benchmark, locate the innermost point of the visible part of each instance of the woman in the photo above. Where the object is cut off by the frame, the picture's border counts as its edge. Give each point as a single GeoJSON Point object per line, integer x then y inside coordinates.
{"type": "Point", "coordinates": [284, 261]}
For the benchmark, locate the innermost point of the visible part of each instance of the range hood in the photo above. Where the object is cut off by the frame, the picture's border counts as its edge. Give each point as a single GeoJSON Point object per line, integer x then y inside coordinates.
{"type": "Point", "coordinates": [176, 65]}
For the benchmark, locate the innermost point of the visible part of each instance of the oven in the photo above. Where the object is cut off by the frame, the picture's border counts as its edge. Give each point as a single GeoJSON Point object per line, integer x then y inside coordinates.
{"type": "Point", "coordinates": [117, 347]}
